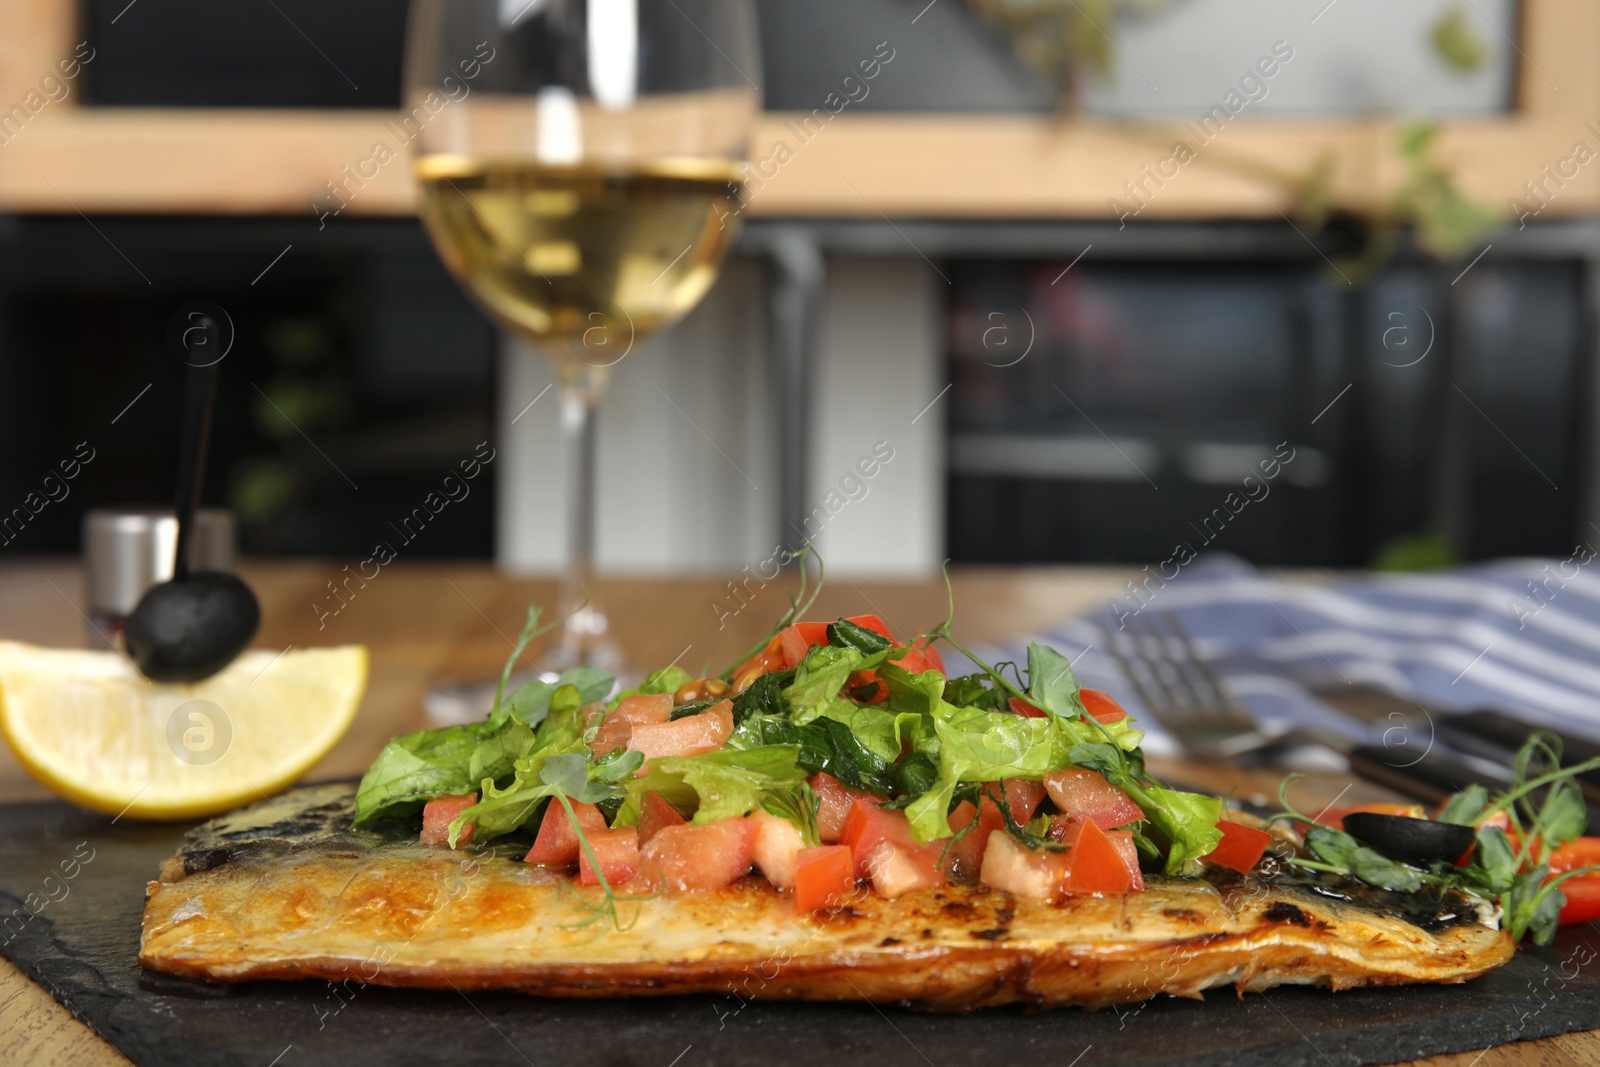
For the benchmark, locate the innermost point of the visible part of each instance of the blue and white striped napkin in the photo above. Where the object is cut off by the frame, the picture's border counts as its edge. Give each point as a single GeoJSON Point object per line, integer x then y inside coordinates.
{"type": "Point", "coordinates": [1522, 636]}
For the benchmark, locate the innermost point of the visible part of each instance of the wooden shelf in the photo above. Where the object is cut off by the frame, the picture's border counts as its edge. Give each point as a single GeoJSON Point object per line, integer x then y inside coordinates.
{"type": "Point", "coordinates": [149, 161]}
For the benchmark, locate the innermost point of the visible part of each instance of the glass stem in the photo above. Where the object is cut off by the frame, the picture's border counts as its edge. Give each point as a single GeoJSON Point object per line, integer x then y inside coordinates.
{"type": "Point", "coordinates": [585, 629]}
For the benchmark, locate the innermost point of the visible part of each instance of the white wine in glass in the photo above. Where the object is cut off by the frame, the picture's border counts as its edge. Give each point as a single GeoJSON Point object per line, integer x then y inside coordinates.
{"type": "Point", "coordinates": [584, 185]}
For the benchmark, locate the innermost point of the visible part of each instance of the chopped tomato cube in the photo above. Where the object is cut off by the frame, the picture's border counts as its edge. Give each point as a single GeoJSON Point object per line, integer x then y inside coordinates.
{"type": "Point", "coordinates": [1010, 865]}
{"type": "Point", "coordinates": [868, 826]}
{"type": "Point", "coordinates": [896, 868]}
{"type": "Point", "coordinates": [1123, 839]}
{"type": "Point", "coordinates": [642, 708]}
{"type": "Point", "coordinates": [922, 656]}
{"type": "Point", "coordinates": [1097, 866]}
{"type": "Point", "coordinates": [833, 805]}
{"type": "Point", "coordinates": [654, 814]}
{"type": "Point", "coordinates": [963, 855]}
{"type": "Point", "coordinates": [1086, 794]}
{"type": "Point", "coordinates": [1583, 898]}
{"type": "Point", "coordinates": [873, 623]}
{"type": "Point", "coordinates": [440, 812]}
{"type": "Point", "coordinates": [867, 688]}
{"type": "Point", "coordinates": [691, 857]}
{"type": "Point", "coordinates": [1066, 828]}
{"type": "Point", "coordinates": [797, 640]}
{"type": "Point", "coordinates": [778, 841]}
{"type": "Point", "coordinates": [1579, 852]}
{"type": "Point", "coordinates": [618, 853]}
{"type": "Point", "coordinates": [557, 843]}
{"type": "Point", "coordinates": [613, 734]}
{"type": "Point", "coordinates": [1026, 709]}
{"type": "Point", "coordinates": [1101, 706]}
{"type": "Point", "coordinates": [692, 735]}
{"type": "Point", "coordinates": [1022, 797]}
{"type": "Point", "coordinates": [823, 877]}
{"type": "Point", "coordinates": [1241, 847]}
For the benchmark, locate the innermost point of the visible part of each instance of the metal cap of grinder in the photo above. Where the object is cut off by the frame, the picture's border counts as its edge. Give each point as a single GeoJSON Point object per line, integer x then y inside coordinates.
{"type": "Point", "coordinates": [128, 550]}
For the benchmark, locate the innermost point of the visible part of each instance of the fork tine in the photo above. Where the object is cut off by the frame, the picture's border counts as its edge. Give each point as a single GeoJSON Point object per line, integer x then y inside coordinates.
{"type": "Point", "coordinates": [1163, 665]}
{"type": "Point", "coordinates": [1220, 703]}
{"type": "Point", "coordinates": [1115, 641]}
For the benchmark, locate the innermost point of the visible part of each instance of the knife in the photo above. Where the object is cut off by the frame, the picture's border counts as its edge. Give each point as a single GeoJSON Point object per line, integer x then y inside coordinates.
{"type": "Point", "coordinates": [1473, 748]}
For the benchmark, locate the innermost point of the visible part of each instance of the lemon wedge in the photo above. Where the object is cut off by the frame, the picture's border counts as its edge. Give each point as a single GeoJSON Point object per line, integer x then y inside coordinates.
{"type": "Point", "coordinates": [94, 730]}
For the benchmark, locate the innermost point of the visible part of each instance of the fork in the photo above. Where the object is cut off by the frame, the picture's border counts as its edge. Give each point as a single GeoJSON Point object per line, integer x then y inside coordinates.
{"type": "Point", "coordinates": [1160, 660]}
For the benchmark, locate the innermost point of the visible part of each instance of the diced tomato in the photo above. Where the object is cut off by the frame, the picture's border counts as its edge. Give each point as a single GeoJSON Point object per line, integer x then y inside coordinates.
{"type": "Point", "coordinates": [1129, 852]}
{"type": "Point", "coordinates": [692, 735]}
{"type": "Point", "coordinates": [1026, 709]}
{"type": "Point", "coordinates": [896, 869]}
{"type": "Point", "coordinates": [778, 841]}
{"type": "Point", "coordinates": [823, 877]}
{"type": "Point", "coordinates": [654, 814]}
{"type": "Point", "coordinates": [1065, 828]}
{"type": "Point", "coordinates": [868, 826]}
{"type": "Point", "coordinates": [1097, 867]}
{"type": "Point", "coordinates": [1241, 847]}
{"type": "Point", "coordinates": [922, 656]}
{"type": "Point", "coordinates": [440, 812]}
{"type": "Point", "coordinates": [557, 843]}
{"type": "Point", "coordinates": [866, 687]}
{"type": "Point", "coordinates": [1583, 899]}
{"type": "Point", "coordinates": [690, 857]}
{"type": "Point", "coordinates": [618, 853]}
{"type": "Point", "coordinates": [963, 856]}
{"type": "Point", "coordinates": [1101, 706]}
{"type": "Point", "coordinates": [1023, 797]}
{"type": "Point", "coordinates": [1085, 793]}
{"type": "Point", "coordinates": [1335, 816]}
{"type": "Point", "coordinates": [1010, 865]}
{"type": "Point", "coordinates": [641, 708]}
{"type": "Point", "coordinates": [1098, 704]}
{"type": "Point", "coordinates": [873, 623]}
{"type": "Point", "coordinates": [833, 805]}
{"type": "Point", "coordinates": [797, 640]}
{"type": "Point", "coordinates": [613, 734]}
{"type": "Point", "coordinates": [1579, 852]}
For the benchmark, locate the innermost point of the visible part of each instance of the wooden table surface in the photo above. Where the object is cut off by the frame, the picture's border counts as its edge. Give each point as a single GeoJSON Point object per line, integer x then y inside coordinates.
{"type": "Point", "coordinates": [425, 623]}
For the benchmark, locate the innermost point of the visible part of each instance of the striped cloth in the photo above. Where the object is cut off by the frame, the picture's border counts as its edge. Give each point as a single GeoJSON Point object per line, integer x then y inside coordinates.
{"type": "Point", "coordinates": [1521, 636]}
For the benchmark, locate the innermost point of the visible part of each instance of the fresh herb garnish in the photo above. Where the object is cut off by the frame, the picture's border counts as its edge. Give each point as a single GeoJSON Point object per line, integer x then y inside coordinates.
{"type": "Point", "coordinates": [1542, 811]}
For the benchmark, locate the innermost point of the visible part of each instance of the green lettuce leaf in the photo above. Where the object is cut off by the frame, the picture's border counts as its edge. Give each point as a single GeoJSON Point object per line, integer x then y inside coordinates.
{"type": "Point", "coordinates": [984, 746]}
{"type": "Point", "coordinates": [667, 680]}
{"type": "Point", "coordinates": [415, 768]}
{"type": "Point", "coordinates": [530, 702]}
{"type": "Point", "coordinates": [822, 674]}
{"type": "Point", "coordinates": [719, 785]}
{"type": "Point", "coordinates": [496, 756]}
{"type": "Point", "coordinates": [1051, 683]}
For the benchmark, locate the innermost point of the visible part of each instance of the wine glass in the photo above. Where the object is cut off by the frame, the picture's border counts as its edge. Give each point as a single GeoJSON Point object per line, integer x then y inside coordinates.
{"type": "Point", "coordinates": [580, 167]}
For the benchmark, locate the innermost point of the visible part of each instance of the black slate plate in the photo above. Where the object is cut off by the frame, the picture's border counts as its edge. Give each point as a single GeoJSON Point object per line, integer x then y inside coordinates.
{"type": "Point", "coordinates": [83, 879]}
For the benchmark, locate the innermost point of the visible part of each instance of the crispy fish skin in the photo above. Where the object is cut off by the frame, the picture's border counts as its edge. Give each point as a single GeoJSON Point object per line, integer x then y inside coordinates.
{"type": "Point", "coordinates": [404, 914]}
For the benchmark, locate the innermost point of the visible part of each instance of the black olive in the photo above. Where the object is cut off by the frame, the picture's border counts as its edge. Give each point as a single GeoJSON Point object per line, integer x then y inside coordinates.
{"type": "Point", "coordinates": [1415, 841]}
{"type": "Point", "coordinates": [190, 628]}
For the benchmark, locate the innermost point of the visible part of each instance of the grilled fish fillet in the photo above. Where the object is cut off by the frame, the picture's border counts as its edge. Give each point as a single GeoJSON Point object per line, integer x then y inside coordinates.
{"type": "Point", "coordinates": [287, 890]}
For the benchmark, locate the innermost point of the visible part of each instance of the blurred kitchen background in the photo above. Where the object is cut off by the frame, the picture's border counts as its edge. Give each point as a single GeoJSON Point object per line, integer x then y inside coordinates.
{"type": "Point", "coordinates": [988, 254]}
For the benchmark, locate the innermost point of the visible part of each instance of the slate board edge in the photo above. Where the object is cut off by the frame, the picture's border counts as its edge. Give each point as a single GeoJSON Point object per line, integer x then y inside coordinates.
{"type": "Point", "coordinates": [123, 1018]}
